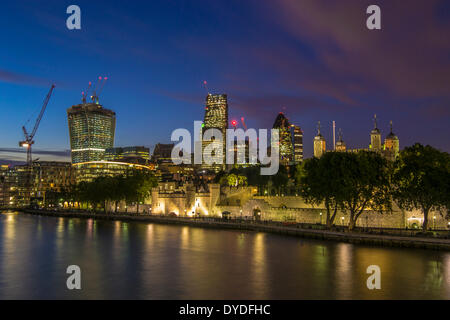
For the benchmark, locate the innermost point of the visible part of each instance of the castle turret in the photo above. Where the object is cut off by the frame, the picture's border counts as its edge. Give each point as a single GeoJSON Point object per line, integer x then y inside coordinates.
{"type": "Point", "coordinates": [319, 143]}
{"type": "Point", "coordinates": [391, 145]}
{"type": "Point", "coordinates": [340, 145]}
{"type": "Point", "coordinates": [375, 137]}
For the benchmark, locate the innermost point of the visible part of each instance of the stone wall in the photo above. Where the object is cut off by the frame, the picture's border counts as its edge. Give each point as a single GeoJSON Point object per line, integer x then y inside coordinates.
{"type": "Point", "coordinates": [291, 208]}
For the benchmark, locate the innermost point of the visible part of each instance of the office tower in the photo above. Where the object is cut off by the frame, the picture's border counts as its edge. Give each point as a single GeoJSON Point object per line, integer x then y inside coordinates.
{"type": "Point", "coordinates": [319, 143]}
{"type": "Point", "coordinates": [286, 149]}
{"type": "Point", "coordinates": [91, 129]}
{"type": "Point", "coordinates": [216, 117]}
{"type": "Point", "coordinates": [50, 177]}
{"type": "Point", "coordinates": [391, 145]}
{"type": "Point", "coordinates": [216, 112]}
{"type": "Point", "coordinates": [5, 186]}
{"type": "Point", "coordinates": [340, 144]}
{"type": "Point", "coordinates": [298, 144]}
{"type": "Point", "coordinates": [375, 137]}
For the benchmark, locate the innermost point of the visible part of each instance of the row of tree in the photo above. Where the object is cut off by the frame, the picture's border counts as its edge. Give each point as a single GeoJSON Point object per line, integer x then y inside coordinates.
{"type": "Point", "coordinates": [355, 182]}
{"type": "Point", "coordinates": [134, 187]}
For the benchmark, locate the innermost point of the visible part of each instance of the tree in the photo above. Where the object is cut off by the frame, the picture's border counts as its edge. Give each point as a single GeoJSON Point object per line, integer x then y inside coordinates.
{"type": "Point", "coordinates": [319, 181]}
{"type": "Point", "coordinates": [280, 179]}
{"type": "Point", "coordinates": [138, 187]}
{"type": "Point", "coordinates": [421, 180]}
{"type": "Point", "coordinates": [365, 184]}
{"type": "Point", "coordinates": [232, 180]}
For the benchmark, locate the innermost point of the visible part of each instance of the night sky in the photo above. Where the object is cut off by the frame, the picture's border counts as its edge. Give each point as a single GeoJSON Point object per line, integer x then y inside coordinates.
{"type": "Point", "coordinates": [312, 59]}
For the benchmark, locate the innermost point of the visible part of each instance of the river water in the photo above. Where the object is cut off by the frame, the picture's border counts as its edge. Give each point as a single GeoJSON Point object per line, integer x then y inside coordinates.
{"type": "Point", "coordinates": [121, 260]}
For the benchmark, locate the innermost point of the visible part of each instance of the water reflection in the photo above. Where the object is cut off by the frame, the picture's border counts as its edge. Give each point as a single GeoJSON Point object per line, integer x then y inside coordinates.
{"type": "Point", "coordinates": [149, 261]}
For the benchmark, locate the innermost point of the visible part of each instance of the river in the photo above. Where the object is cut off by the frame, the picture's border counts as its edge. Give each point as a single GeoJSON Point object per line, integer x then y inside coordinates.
{"type": "Point", "coordinates": [120, 260]}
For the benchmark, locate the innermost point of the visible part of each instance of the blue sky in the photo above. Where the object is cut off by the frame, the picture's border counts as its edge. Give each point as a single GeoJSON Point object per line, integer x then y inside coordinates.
{"type": "Point", "coordinates": [314, 60]}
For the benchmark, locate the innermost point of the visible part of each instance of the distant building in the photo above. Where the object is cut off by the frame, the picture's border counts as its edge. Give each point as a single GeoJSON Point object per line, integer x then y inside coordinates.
{"type": "Point", "coordinates": [91, 129]}
{"type": "Point", "coordinates": [216, 117]}
{"type": "Point", "coordinates": [245, 150]}
{"type": "Point", "coordinates": [88, 171]}
{"type": "Point", "coordinates": [389, 150]}
{"type": "Point", "coordinates": [319, 143]}
{"type": "Point", "coordinates": [286, 147]}
{"type": "Point", "coordinates": [340, 144]}
{"type": "Point", "coordinates": [298, 144]}
{"type": "Point", "coordinates": [375, 137]}
{"type": "Point", "coordinates": [5, 186]}
{"type": "Point", "coordinates": [138, 155]}
{"type": "Point", "coordinates": [162, 153]}
{"type": "Point", "coordinates": [391, 146]}
{"type": "Point", "coordinates": [52, 176]}
{"type": "Point", "coordinates": [21, 187]}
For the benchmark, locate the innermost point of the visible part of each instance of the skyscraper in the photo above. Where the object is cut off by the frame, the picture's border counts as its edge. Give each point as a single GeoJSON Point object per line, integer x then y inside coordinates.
{"type": "Point", "coordinates": [216, 117]}
{"type": "Point", "coordinates": [319, 143]}
{"type": "Point", "coordinates": [216, 112]}
{"type": "Point", "coordinates": [91, 129]}
{"type": "Point", "coordinates": [286, 148]}
{"type": "Point", "coordinates": [298, 144]}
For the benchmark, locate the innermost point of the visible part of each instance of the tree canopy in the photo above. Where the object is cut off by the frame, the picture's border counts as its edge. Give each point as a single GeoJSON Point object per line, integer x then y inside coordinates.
{"type": "Point", "coordinates": [351, 182]}
{"type": "Point", "coordinates": [421, 180]}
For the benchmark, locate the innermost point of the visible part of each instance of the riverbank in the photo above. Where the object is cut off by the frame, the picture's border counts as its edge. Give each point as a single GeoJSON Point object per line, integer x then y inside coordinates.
{"type": "Point", "coordinates": [350, 237]}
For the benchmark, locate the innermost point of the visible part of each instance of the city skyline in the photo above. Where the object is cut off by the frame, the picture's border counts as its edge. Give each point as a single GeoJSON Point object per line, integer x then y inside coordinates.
{"type": "Point", "coordinates": [168, 74]}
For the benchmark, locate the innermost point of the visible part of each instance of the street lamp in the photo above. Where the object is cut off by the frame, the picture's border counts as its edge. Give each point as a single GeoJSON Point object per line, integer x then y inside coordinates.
{"type": "Point", "coordinates": [241, 214]}
{"type": "Point", "coordinates": [342, 219]}
{"type": "Point", "coordinates": [434, 222]}
{"type": "Point", "coordinates": [320, 217]}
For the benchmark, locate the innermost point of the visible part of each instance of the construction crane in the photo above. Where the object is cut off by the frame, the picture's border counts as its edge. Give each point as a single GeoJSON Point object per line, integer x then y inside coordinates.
{"type": "Point", "coordinates": [85, 94]}
{"type": "Point", "coordinates": [98, 89]}
{"type": "Point", "coordinates": [28, 142]}
{"type": "Point", "coordinates": [243, 123]}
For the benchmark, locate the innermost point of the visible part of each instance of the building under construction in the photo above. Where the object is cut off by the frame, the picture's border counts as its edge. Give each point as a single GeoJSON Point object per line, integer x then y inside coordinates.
{"type": "Point", "coordinates": [91, 130]}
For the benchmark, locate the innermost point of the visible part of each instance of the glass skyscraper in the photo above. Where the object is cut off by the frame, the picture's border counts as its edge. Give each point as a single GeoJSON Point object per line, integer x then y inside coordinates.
{"type": "Point", "coordinates": [216, 117]}
{"type": "Point", "coordinates": [91, 129]}
{"type": "Point", "coordinates": [286, 147]}
{"type": "Point", "coordinates": [216, 112]}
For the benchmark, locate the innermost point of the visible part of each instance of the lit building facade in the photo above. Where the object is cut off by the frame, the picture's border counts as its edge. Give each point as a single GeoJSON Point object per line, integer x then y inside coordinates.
{"type": "Point", "coordinates": [91, 129]}
{"type": "Point", "coordinates": [319, 143]}
{"type": "Point", "coordinates": [5, 186]}
{"type": "Point", "coordinates": [375, 137]}
{"type": "Point", "coordinates": [340, 144]}
{"type": "Point", "coordinates": [286, 147]}
{"type": "Point", "coordinates": [138, 155]}
{"type": "Point", "coordinates": [162, 153]}
{"type": "Point", "coordinates": [216, 117]}
{"type": "Point", "coordinates": [88, 171]}
{"type": "Point", "coordinates": [297, 140]}
{"type": "Point", "coordinates": [52, 176]}
{"type": "Point", "coordinates": [391, 146]}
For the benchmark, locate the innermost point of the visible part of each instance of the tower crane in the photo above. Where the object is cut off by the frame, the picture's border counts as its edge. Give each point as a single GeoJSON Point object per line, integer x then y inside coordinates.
{"type": "Point", "coordinates": [243, 123]}
{"type": "Point", "coordinates": [28, 142]}
{"type": "Point", "coordinates": [98, 89]}
{"type": "Point", "coordinates": [85, 94]}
